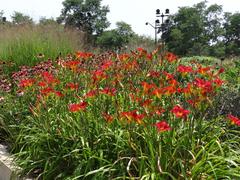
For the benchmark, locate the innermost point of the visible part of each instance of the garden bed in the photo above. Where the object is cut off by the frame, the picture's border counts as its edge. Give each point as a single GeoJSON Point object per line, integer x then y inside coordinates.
{"type": "Point", "coordinates": [120, 116]}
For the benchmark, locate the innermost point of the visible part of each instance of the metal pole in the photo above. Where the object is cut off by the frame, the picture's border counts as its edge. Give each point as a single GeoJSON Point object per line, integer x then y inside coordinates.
{"type": "Point", "coordinates": [155, 33]}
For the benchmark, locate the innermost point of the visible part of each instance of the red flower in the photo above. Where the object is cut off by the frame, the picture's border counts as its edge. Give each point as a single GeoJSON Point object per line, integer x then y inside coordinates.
{"type": "Point", "coordinates": [162, 126]}
{"type": "Point", "coordinates": [234, 119]}
{"type": "Point", "coordinates": [159, 111]}
{"type": "Point", "coordinates": [77, 107]}
{"type": "Point", "coordinates": [58, 93]}
{"type": "Point", "coordinates": [107, 117]}
{"type": "Point", "coordinates": [46, 91]}
{"type": "Point", "coordinates": [107, 65]}
{"type": "Point", "coordinates": [203, 70]}
{"type": "Point", "coordinates": [168, 75]}
{"type": "Point", "coordinates": [141, 51]}
{"type": "Point", "coordinates": [123, 57]}
{"type": "Point", "coordinates": [49, 78]}
{"type": "Point", "coordinates": [72, 86]}
{"type": "Point", "coordinates": [170, 57]}
{"type": "Point", "coordinates": [26, 83]}
{"type": "Point", "coordinates": [158, 92]}
{"type": "Point", "coordinates": [42, 84]}
{"type": "Point", "coordinates": [84, 55]}
{"type": "Point", "coordinates": [98, 75]}
{"type": "Point", "coordinates": [221, 70]}
{"type": "Point", "coordinates": [133, 116]}
{"type": "Point", "coordinates": [109, 91]}
{"type": "Point", "coordinates": [72, 65]}
{"type": "Point", "coordinates": [179, 112]}
{"type": "Point", "coordinates": [153, 74]}
{"type": "Point", "coordinates": [146, 103]}
{"type": "Point", "coordinates": [184, 69]}
{"type": "Point", "coordinates": [146, 87]}
{"type": "Point", "coordinates": [91, 93]}
{"type": "Point", "coordinates": [218, 82]}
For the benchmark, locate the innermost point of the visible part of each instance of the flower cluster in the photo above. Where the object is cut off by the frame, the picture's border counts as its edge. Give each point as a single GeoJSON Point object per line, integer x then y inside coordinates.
{"type": "Point", "coordinates": [123, 87]}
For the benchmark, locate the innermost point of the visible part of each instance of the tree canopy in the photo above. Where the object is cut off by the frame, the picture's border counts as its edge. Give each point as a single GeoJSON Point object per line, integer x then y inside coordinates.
{"type": "Point", "coordinates": [204, 30]}
{"type": "Point", "coordinates": [20, 18]}
{"type": "Point", "coordinates": [86, 15]}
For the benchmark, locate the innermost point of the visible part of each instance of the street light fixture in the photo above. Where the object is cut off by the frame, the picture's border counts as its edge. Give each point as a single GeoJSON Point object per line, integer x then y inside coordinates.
{"type": "Point", "coordinates": [159, 27]}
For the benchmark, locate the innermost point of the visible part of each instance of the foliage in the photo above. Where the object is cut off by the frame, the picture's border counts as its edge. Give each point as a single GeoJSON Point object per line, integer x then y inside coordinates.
{"type": "Point", "coordinates": [203, 30]}
{"type": "Point", "coordinates": [116, 38]}
{"type": "Point", "coordinates": [23, 45]}
{"type": "Point", "coordinates": [86, 15]}
{"type": "Point", "coordinates": [20, 18]}
{"type": "Point", "coordinates": [47, 21]}
{"type": "Point", "coordinates": [195, 29]}
{"type": "Point", "coordinates": [120, 116]}
{"type": "Point", "coordinates": [232, 28]}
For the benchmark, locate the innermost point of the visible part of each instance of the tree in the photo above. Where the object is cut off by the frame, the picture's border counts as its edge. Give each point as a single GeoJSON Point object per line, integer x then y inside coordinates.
{"type": "Point", "coordinates": [116, 38]}
{"type": "Point", "coordinates": [2, 17]}
{"type": "Point", "coordinates": [86, 15]}
{"type": "Point", "coordinates": [187, 29]}
{"type": "Point", "coordinates": [47, 21]}
{"type": "Point", "coordinates": [232, 33]}
{"type": "Point", "coordinates": [20, 18]}
{"type": "Point", "coordinates": [196, 30]}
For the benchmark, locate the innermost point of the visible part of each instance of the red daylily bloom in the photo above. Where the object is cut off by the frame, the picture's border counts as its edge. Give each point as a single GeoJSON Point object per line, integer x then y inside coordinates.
{"type": "Point", "coordinates": [179, 112]}
{"type": "Point", "coordinates": [204, 85]}
{"type": "Point", "coordinates": [162, 126]}
{"type": "Point", "coordinates": [108, 91]}
{"type": "Point", "coordinates": [153, 74]}
{"type": "Point", "coordinates": [158, 92]}
{"type": "Point", "coordinates": [108, 117]}
{"type": "Point", "coordinates": [77, 107]}
{"type": "Point", "coordinates": [107, 65]}
{"type": "Point", "coordinates": [234, 120]}
{"type": "Point", "coordinates": [168, 75]}
{"type": "Point", "coordinates": [147, 87]}
{"type": "Point", "coordinates": [58, 93]}
{"type": "Point", "coordinates": [142, 52]}
{"type": "Point", "coordinates": [42, 84]}
{"type": "Point", "coordinates": [134, 98]}
{"type": "Point", "coordinates": [84, 55]}
{"type": "Point", "coordinates": [221, 70]}
{"type": "Point", "coordinates": [49, 78]}
{"type": "Point", "coordinates": [72, 86]}
{"type": "Point", "coordinates": [46, 91]}
{"type": "Point", "coordinates": [131, 65]}
{"type": "Point", "coordinates": [98, 75]}
{"type": "Point", "coordinates": [149, 56]}
{"type": "Point", "coordinates": [72, 65]}
{"type": "Point", "coordinates": [26, 83]}
{"type": "Point", "coordinates": [159, 111]}
{"type": "Point", "coordinates": [123, 57]}
{"type": "Point", "coordinates": [133, 116]}
{"type": "Point", "coordinates": [146, 103]}
{"type": "Point", "coordinates": [184, 69]}
{"type": "Point", "coordinates": [170, 57]}
{"type": "Point", "coordinates": [169, 90]}
{"type": "Point", "coordinates": [203, 70]}
{"type": "Point", "coordinates": [218, 82]}
{"type": "Point", "coordinates": [91, 93]}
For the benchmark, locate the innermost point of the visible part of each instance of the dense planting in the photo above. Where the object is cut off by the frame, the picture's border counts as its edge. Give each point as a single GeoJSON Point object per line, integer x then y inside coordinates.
{"type": "Point", "coordinates": [120, 116]}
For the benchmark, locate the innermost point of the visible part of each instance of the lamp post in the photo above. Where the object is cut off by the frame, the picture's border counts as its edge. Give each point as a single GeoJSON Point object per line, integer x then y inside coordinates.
{"type": "Point", "coordinates": [160, 25]}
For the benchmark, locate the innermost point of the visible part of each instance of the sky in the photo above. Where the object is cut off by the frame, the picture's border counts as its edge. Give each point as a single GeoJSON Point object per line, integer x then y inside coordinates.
{"type": "Point", "coordinates": [134, 12]}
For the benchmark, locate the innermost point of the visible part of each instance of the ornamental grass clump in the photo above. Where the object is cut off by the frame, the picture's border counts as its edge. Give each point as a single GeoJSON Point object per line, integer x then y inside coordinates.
{"type": "Point", "coordinates": [122, 116]}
